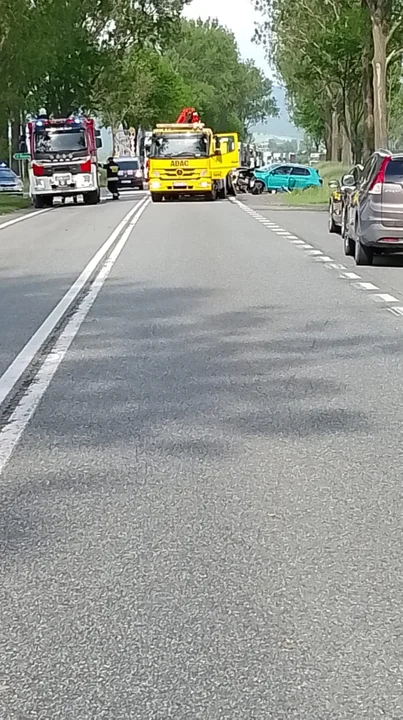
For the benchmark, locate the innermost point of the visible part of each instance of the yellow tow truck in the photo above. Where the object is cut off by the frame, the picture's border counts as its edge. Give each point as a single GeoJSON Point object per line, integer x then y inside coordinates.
{"type": "Point", "coordinates": [187, 158]}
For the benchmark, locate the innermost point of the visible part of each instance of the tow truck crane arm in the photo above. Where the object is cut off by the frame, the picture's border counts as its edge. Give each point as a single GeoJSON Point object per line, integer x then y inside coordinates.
{"type": "Point", "coordinates": [188, 115]}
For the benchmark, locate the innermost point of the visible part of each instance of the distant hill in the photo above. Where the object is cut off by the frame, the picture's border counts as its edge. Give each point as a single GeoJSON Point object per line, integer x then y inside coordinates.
{"type": "Point", "coordinates": [280, 126]}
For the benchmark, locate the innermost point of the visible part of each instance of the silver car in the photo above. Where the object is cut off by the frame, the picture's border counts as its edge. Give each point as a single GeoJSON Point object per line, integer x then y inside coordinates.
{"type": "Point", "coordinates": [373, 223]}
{"type": "Point", "coordinates": [9, 181]}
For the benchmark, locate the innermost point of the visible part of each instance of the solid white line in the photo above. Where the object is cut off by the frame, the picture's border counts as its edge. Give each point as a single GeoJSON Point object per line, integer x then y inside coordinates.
{"type": "Point", "coordinates": [385, 297]}
{"type": "Point", "coordinates": [12, 432]}
{"type": "Point", "coordinates": [27, 354]}
{"type": "Point", "coordinates": [367, 286]}
{"type": "Point", "coordinates": [23, 217]}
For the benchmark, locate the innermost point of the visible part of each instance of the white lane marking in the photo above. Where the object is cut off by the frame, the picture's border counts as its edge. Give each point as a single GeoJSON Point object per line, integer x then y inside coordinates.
{"type": "Point", "coordinates": [396, 310]}
{"type": "Point", "coordinates": [367, 286]}
{"type": "Point", "coordinates": [305, 246]}
{"type": "Point", "coordinates": [282, 232]}
{"type": "Point", "coordinates": [350, 276]}
{"type": "Point", "coordinates": [27, 354]}
{"type": "Point", "coordinates": [23, 217]}
{"type": "Point", "coordinates": [336, 266]}
{"type": "Point", "coordinates": [314, 252]}
{"type": "Point", "coordinates": [293, 237]}
{"type": "Point", "coordinates": [297, 242]}
{"type": "Point", "coordinates": [12, 432]}
{"type": "Point", "coordinates": [324, 258]}
{"type": "Point", "coordinates": [385, 297]}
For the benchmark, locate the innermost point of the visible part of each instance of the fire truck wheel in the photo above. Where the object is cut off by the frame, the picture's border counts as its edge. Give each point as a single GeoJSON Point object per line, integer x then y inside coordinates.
{"type": "Point", "coordinates": [91, 198]}
{"type": "Point", "coordinates": [39, 202]}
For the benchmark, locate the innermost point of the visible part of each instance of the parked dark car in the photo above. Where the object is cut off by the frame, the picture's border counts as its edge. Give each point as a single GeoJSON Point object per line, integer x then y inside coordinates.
{"type": "Point", "coordinates": [9, 181]}
{"type": "Point", "coordinates": [374, 218]}
{"type": "Point", "coordinates": [130, 174]}
{"type": "Point", "coordinates": [339, 199]}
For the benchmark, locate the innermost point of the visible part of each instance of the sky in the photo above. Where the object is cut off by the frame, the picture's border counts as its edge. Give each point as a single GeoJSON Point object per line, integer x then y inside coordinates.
{"type": "Point", "coordinates": [240, 17]}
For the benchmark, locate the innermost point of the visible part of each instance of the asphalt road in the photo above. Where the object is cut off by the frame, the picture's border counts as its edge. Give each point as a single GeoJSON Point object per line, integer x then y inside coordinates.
{"type": "Point", "coordinates": [203, 517]}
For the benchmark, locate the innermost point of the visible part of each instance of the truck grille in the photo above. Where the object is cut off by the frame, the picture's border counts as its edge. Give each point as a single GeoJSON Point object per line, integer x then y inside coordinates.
{"type": "Point", "coordinates": [180, 174]}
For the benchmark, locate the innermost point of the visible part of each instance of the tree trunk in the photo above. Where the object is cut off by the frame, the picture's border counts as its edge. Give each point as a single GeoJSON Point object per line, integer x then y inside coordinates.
{"type": "Point", "coordinates": [328, 136]}
{"type": "Point", "coordinates": [335, 137]}
{"type": "Point", "coordinates": [379, 82]}
{"type": "Point", "coordinates": [345, 148]}
{"type": "Point", "coordinates": [368, 90]}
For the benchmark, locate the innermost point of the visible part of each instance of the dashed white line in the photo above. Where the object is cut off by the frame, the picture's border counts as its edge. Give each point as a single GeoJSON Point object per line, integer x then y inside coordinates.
{"type": "Point", "coordinates": [385, 297]}
{"type": "Point", "coordinates": [350, 276]}
{"type": "Point", "coordinates": [367, 286]}
{"type": "Point", "coordinates": [324, 259]}
{"type": "Point", "coordinates": [314, 252]}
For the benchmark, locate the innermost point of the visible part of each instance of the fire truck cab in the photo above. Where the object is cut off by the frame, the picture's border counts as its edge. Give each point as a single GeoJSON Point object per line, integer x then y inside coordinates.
{"type": "Point", "coordinates": [64, 160]}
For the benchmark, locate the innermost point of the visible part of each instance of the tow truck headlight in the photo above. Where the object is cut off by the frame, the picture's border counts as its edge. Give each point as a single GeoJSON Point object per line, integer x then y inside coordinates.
{"type": "Point", "coordinates": [155, 184]}
{"type": "Point", "coordinates": [204, 184]}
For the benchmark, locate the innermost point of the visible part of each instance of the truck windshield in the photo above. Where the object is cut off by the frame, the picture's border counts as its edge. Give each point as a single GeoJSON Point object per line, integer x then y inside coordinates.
{"type": "Point", "coordinates": [59, 140]}
{"type": "Point", "coordinates": [180, 145]}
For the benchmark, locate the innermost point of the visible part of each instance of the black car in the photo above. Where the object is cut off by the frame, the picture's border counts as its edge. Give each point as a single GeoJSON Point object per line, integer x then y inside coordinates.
{"type": "Point", "coordinates": [339, 199]}
{"type": "Point", "coordinates": [130, 175]}
{"type": "Point", "coordinates": [9, 181]}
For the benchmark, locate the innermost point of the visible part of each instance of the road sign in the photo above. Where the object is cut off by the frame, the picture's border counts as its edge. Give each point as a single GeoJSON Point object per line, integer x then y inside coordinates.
{"type": "Point", "coordinates": [22, 156]}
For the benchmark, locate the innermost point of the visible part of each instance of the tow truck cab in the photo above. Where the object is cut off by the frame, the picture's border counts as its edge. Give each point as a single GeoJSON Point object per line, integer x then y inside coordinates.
{"type": "Point", "coordinates": [188, 159]}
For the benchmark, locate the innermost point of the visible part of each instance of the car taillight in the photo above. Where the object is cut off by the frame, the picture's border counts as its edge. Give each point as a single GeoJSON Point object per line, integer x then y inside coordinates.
{"type": "Point", "coordinates": [85, 167]}
{"type": "Point", "coordinates": [38, 170]}
{"type": "Point", "coordinates": [376, 185]}
{"type": "Point", "coordinates": [390, 240]}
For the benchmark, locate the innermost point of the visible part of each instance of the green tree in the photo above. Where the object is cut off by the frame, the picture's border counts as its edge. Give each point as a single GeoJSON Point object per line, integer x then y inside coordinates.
{"type": "Point", "coordinates": [229, 93]}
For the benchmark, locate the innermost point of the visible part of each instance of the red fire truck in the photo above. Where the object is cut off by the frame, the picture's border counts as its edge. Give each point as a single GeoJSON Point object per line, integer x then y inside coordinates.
{"type": "Point", "coordinates": [64, 160]}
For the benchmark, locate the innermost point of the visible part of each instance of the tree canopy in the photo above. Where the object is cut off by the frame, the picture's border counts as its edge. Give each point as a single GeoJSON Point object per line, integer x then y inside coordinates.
{"type": "Point", "coordinates": [341, 63]}
{"type": "Point", "coordinates": [130, 62]}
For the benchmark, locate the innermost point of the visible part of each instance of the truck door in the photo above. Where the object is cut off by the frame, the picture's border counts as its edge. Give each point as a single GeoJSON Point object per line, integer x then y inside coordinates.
{"type": "Point", "coordinates": [228, 159]}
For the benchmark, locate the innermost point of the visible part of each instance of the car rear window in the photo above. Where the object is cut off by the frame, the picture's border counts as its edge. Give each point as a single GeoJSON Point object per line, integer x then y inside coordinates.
{"type": "Point", "coordinates": [128, 165]}
{"type": "Point", "coordinates": [394, 171]}
{"type": "Point", "coordinates": [7, 175]}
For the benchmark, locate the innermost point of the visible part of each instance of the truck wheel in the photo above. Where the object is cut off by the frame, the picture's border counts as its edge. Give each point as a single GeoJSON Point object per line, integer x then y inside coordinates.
{"type": "Point", "coordinates": [156, 197]}
{"type": "Point", "coordinates": [222, 193]}
{"type": "Point", "coordinates": [212, 195]}
{"type": "Point", "coordinates": [39, 202]}
{"type": "Point", "coordinates": [91, 198]}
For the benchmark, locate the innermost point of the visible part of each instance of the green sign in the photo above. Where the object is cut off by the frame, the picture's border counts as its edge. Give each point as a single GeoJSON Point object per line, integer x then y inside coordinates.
{"type": "Point", "coordinates": [22, 156]}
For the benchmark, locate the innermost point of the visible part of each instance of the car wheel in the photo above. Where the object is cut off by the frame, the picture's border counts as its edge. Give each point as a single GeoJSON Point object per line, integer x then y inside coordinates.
{"type": "Point", "coordinates": [258, 188]}
{"type": "Point", "coordinates": [363, 255]}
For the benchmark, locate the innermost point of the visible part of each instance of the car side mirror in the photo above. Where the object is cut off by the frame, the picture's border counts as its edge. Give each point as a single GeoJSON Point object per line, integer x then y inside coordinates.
{"type": "Point", "coordinates": [334, 184]}
{"type": "Point", "coordinates": [348, 181]}
{"type": "Point", "coordinates": [99, 142]}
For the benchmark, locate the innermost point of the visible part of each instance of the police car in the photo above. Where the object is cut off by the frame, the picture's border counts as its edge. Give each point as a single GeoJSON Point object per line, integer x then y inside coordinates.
{"type": "Point", "coordinates": [9, 181]}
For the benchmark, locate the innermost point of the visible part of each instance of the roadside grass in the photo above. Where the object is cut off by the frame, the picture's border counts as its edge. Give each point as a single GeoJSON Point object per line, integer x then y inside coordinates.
{"type": "Point", "coordinates": [316, 196]}
{"type": "Point", "coordinates": [11, 203]}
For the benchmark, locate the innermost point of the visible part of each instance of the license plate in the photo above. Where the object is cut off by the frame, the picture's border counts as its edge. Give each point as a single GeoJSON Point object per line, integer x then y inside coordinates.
{"type": "Point", "coordinates": [63, 179]}
{"type": "Point", "coordinates": [126, 182]}
{"type": "Point", "coordinates": [337, 196]}
{"type": "Point", "coordinates": [179, 185]}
